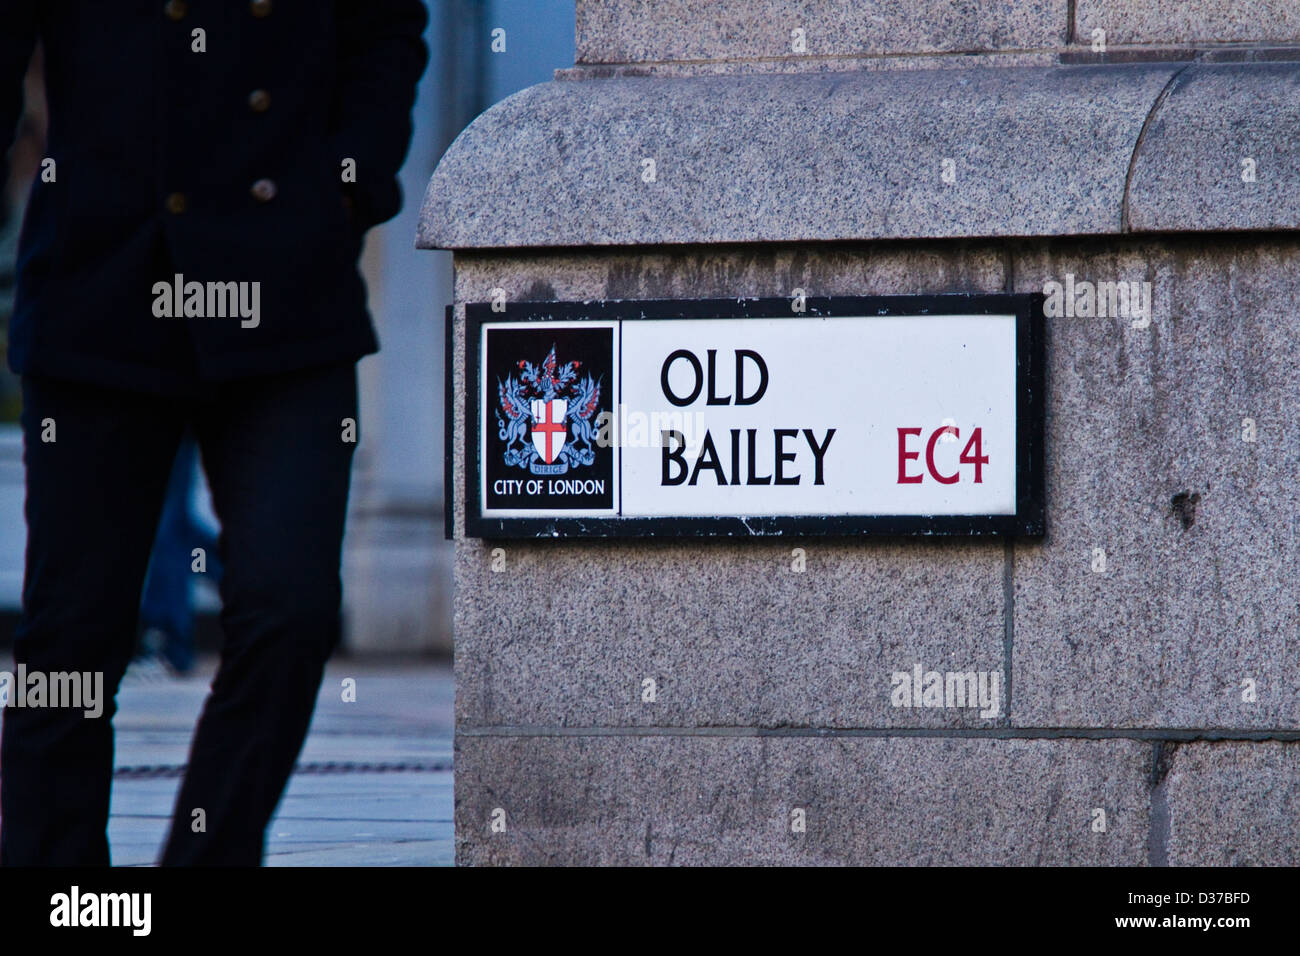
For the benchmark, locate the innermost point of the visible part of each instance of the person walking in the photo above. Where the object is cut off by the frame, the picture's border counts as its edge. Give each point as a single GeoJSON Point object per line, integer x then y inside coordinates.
{"type": "Point", "coordinates": [189, 260]}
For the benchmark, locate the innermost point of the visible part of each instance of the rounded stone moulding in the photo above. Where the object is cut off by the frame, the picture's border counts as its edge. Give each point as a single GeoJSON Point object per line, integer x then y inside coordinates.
{"type": "Point", "coordinates": [880, 154]}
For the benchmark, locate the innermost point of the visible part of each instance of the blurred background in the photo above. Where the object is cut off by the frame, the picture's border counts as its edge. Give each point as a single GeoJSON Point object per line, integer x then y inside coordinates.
{"type": "Point", "coordinates": [396, 565]}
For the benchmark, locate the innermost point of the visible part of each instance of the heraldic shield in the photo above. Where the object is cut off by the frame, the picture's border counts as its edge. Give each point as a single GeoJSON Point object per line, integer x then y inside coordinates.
{"type": "Point", "coordinates": [549, 430]}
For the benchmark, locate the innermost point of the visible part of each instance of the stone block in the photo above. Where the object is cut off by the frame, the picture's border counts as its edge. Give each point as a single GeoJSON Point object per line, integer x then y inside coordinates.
{"type": "Point", "coordinates": [632, 31]}
{"type": "Point", "coordinates": [1146, 461]}
{"type": "Point", "coordinates": [728, 801]}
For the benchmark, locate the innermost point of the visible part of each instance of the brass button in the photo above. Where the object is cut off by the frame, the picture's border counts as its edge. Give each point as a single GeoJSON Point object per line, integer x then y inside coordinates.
{"type": "Point", "coordinates": [176, 203]}
{"type": "Point", "coordinates": [263, 190]}
{"type": "Point", "coordinates": [175, 9]}
{"type": "Point", "coordinates": [260, 8]}
{"type": "Point", "coordinates": [259, 101]}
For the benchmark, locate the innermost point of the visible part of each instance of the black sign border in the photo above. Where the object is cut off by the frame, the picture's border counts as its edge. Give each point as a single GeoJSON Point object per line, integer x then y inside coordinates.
{"type": "Point", "coordinates": [1031, 400]}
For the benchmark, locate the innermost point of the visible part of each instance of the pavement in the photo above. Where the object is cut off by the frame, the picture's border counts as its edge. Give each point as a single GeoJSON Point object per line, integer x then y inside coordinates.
{"type": "Point", "coordinates": [373, 785]}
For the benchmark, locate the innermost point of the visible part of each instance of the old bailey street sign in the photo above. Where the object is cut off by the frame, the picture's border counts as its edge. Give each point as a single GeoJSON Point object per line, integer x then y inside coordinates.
{"type": "Point", "coordinates": [897, 415]}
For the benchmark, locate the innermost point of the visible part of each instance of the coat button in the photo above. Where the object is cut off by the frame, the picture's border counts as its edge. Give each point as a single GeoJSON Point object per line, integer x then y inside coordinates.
{"type": "Point", "coordinates": [259, 101]}
{"type": "Point", "coordinates": [175, 9]}
{"type": "Point", "coordinates": [176, 203]}
{"type": "Point", "coordinates": [260, 8]}
{"type": "Point", "coordinates": [263, 190]}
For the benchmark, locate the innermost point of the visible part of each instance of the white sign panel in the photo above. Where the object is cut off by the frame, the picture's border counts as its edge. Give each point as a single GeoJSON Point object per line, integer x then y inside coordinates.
{"type": "Point", "coordinates": [903, 415]}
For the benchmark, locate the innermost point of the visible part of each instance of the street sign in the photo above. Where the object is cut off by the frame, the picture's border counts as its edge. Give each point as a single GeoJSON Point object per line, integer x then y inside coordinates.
{"type": "Point", "coordinates": [885, 415]}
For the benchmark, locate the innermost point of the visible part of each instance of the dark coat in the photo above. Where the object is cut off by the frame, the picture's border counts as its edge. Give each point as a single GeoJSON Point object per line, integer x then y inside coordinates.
{"type": "Point", "coordinates": [223, 166]}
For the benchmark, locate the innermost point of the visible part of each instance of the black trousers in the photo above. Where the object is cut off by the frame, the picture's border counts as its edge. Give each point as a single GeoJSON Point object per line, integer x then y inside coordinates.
{"type": "Point", "coordinates": [278, 465]}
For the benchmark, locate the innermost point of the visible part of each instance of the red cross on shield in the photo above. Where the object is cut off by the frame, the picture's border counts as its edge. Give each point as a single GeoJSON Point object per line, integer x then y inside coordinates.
{"type": "Point", "coordinates": [549, 430]}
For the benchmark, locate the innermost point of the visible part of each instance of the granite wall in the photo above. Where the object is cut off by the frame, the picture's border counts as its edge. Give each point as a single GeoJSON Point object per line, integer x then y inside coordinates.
{"type": "Point", "coordinates": [1125, 684]}
{"type": "Point", "coordinates": [1146, 650]}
